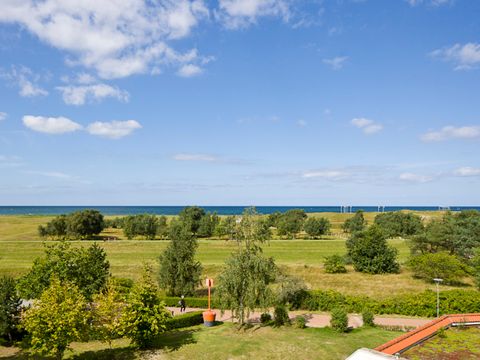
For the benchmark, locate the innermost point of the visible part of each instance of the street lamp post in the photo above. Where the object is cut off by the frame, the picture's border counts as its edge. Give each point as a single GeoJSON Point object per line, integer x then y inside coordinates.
{"type": "Point", "coordinates": [438, 281]}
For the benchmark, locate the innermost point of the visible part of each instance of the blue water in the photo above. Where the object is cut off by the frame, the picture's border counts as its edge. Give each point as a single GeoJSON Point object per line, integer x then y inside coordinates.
{"type": "Point", "coordinates": [221, 210]}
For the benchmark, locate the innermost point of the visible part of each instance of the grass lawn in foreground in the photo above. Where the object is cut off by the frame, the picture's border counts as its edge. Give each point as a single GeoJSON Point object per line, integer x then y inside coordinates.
{"type": "Point", "coordinates": [226, 342]}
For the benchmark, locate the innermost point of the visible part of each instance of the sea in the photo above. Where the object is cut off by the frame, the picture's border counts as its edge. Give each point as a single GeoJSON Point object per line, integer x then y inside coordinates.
{"type": "Point", "coordinates": [221, 210]}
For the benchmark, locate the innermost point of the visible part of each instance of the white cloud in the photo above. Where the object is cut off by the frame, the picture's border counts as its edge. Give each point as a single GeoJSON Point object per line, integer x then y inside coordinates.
{"type": "Point", "coordinates": [326, 174]}
{"type": "Point", "coordinates": [79, 94]}
{"type": "Point", "coordinates": [189, 70]}
{"type": "Point", "coordinates": [429, 2]}
{"type": "Point", "coordinates": [116, 38]}
{"type": "Point", "coordinates": [195, 157]}
{"type": "Point", "coordinates": [415, 178]}
{"type": "Point", "coordinates": [25, 80]}
{"type": "Point", "coordinates": [452, 132]}
{"type": "Point", "coordinates": [3, 116]}
{"type": "Point", "coordinates": [467, 171]}
{"type": "Point", "coordinates": [240, 13]}
{"type": "Point", "coordinates": [464, 57]}
{"type": "Point", "coordinates": [336, 63]}
{"type": "Point", "coordinates": [51, 174]}
{"type": "Point", "coordinates": [368, 126]}
{"type": "Point", "coordinates": [302, 123]}
{"type": "Point", "coordinates": [113, 129]}
{"type": "Point", "coordinates": [50, 125]}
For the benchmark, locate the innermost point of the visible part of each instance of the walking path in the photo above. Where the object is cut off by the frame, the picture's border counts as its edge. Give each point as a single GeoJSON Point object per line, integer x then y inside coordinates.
{"type": "Point", "coordinates": [318, 320]}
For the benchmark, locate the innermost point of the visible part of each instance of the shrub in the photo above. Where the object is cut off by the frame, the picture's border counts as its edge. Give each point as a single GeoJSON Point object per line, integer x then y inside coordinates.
{"type": "Point", "coordinates": [291, 222]}
{"type": "Point", "coordinates": [316, 227]}
{"type": "Point", "coordinates": [368, 318]}
{"type": "Point", "coordinates": [291, 291]}
{"type": "Point", "coordinates": [281, 316]}
{"type": "Point", "coordinates": [399, 223]}
{"type": "Point", "coordinates": [438, 265]}
{"type": "Point", "coordinates": [9, 309]}
{"type": "Point", "coordinates": [300, 322]}
{"type": "Point", "coordinates": [265, 318]}
{"type": "Point", "coordinates": [185, 320]}
{"type": "Point", "coordinates": [335, 264]}
{"type": "Point", "coordinates": [356, 223]}
{"type": "Point", "coordinates": [339, 320]}
{"type": "Point", "coordinates": [191, 302]}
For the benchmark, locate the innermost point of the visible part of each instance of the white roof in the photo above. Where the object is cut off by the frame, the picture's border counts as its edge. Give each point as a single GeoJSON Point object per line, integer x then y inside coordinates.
{"type": "Point", "coordinates": [368, 354]}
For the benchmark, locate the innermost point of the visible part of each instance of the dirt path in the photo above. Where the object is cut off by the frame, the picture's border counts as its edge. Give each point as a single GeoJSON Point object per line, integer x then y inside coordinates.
{"type": "Point", "coordinates": [319, 320]}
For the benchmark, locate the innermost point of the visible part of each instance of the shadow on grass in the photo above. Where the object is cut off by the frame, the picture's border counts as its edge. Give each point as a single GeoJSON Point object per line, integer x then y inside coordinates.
{"type": "Point", "coordinates": [174, 340]}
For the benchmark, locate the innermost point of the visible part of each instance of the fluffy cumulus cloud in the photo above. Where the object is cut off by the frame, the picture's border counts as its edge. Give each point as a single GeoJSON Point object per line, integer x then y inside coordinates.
{"type": "Point", "coordinates": [467, 171]}
{"type": "Point", "coordinates": [240, 13]}
{"type": "Point", "coordinates": [116, 38]}
{"type": "Point", "coordinates": [50, 125]}
{"type": "Point", "coordinates": [189, 70]}
{"type": "Point", "coordinates": [3, 116]}
{"type": "Point", "coordinates": [463, 57]}
{"type": "Point", "coordinates": [113, 129]}
{"type": "Point", "coordinates": [415, 178]}
{"type": "Point", "coordinates": [367, 126]}
{"type": "Point", "coordinates": [452, 132]}
{"type": "Point", "coordinates": [25, 80]}
{"type": "Point", "coordinates": [336, 63]}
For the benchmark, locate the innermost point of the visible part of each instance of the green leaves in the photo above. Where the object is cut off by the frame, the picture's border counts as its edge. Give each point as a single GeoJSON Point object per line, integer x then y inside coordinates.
{"type": "Point", "coordinates": [9, 308]}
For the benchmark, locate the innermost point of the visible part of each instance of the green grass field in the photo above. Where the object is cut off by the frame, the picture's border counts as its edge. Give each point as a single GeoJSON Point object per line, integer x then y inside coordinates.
{"type": "Point", "coordinates": [226, 342]}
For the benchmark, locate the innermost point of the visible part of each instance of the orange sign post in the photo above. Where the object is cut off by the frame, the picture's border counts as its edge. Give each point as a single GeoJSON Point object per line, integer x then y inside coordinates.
{"type": "Point", "coordinates": [209, 315]}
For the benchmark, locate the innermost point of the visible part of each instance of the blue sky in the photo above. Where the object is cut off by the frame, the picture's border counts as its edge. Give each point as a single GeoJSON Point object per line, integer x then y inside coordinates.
{"type": "Point", "coordinates": [239, 102]}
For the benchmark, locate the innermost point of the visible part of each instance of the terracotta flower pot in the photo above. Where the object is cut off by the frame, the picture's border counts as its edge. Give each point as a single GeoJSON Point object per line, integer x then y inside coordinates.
{"type": "Point", "coordinates": [209, 318]}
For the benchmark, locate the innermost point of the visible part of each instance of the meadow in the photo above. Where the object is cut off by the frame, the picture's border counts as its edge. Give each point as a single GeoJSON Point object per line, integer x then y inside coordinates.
{"type": "Point", "coordinates": [20, 245]}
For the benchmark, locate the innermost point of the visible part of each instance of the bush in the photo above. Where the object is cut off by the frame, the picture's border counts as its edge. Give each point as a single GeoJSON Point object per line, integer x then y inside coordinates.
{"type": "Point", "coordinates": [281, 316]}
{"type": "Point", "coordinates": [191, 302]}
{"type": "Point", "coordinates": [356, 223]}
{"type": "Point", "coordinates": [316, 227]}
{"type": "Point", "coordinates": [185, 320]}
{"type": "Point", "coordinates": [399, 223]}
{"type": "Point", "coordinates": [438, 265]}
{"type": "Point", "coordinates": [291, 291]}
{"type": "Point", "coordinates": [300, 322]}
{"type": "Point", "coordinates": [265, 318]}
{"type": "Point", "coordinates": [368, 318]}
{"type": "Point", "coordinates": [339, 320]}
{"type": "Point", "coordinates": [335, 264]}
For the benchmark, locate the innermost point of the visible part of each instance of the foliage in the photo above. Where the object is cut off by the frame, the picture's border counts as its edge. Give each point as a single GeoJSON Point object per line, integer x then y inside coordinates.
{"type": "Point", "coordinates": [252, 229]}
{"type": "Point", "coordinates": [55, 229]}
{"type": "Point", "coordinates": [368, 318]}
{"type": "Point", "coordinates": [122, 286]}
{"type": "Point", "coordinates": [300, 322]}
{"type": "Point", "coordinates": [356, 223]}
{"type": "Point", "coordinates": [179, 272]}
{"type": "Point", "coordinates": [291, 222]}
{"type": "Point", "coordinates": [115, 223]}
{"type": "Point", "coordinates": [77, 225]}
{"type": "Point", "coordinates": [280, 316]}
{"type": "Point", "coordinates": [57, 319]}
{"type": "Point", "coordinates": [193, 302]}
{"type": "Point", "coordinates": [141, 225]}
{"type": "Point", "coordinates": [339, 319]}
{"type": "Point", "coordinates": [290, 290]}
{"type": "Point", "coordinates": [191, 216]}
{"type": "Point", "coordinates": [316, 227]}
{"type": "Point", "coordinates": [207, 225]}
{"type": "Point", "coordinates": [370, 252]}
{"type": "Point", "coordinates": [399, 223]}
{"type": "Point", "coordinates": [476, 267]}
{"type": "Point", "coordinates": [265, 318]}
{"type": "Point", "coordinates": [185, 320]}
{"type": "Point", "coordinates": [107, 313]}
{"type": "Point", "coordinates": [335, 264]}
{"type": "Point", "coordinates": [145, 316]}
{"type": "Point", "coordinates": [438, 265]}
{"type": "Point", "coordinates": [10, 307]}
{"type": "Point", "coordinates": [226, 227]}
{"type": "Point", "coordinates": [458, 234]}
{"type": "Point", "coordinates": [162, 227]}
{"type": "Point", "coordinates": [273, 218]}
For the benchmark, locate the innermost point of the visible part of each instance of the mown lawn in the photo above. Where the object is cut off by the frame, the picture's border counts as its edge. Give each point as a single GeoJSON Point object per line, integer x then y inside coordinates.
{"type": "Point", "coordinates": [226, 342]}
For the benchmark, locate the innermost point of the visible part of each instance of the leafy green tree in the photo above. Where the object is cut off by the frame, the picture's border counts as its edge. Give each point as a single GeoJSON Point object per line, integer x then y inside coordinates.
{"type": "Point", "coordinates": [87, 268]}
{"type": "Point", "coordinates": [162, 227]}
{"type": "Point", "coordinates": [370, 252]}
{"type": "Point", "coordinates": [207, 225]}
{"type": "Point", "coordinates": [335, 264]}
{"type": "Point", "coordinates": [273, 218]}
{"type": "Point", "coordinates": [192, 216]}
{"type": "Point", "coordinates": [55, 229]}
{"type": "Point", "coordinates": [476, 267]}
{"type": "Point", "coordinates": [291, 222]}
{"type": "Point", "coordinates": [226, 227]}
{"type": "Point", "coordinates": [141, 225]}
{"type": "Point", "coordinates": [107, 315]}
{"type": "Point", "coordinates": [179, 271]}
{"type": "Point", "coordinates": [316, 227]}
{"type": "Point", "coordinates": [252, 229]}
{"type": "Point", "coordinates": [57, 319]}
{"type": "Point", "coordinates": [10, 307]}
{"type": "Point", "coordinates": [145, 316]}
{"type": "Point", "coordinates": [84, 224]}
{"type": "Point", "coordinates": [399, 223]}
{"type": "Point", "coordinates": [356, 223]}
{"type": "Point", "coordinates": [439, 265]}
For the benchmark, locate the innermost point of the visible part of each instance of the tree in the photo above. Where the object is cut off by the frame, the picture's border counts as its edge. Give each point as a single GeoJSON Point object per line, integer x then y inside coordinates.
{"type": "Point", "coordinates": [356, 223]}
{"type": "Point", "coordinates": [87, 268]}
{"type": "Point", "coordinates": [226, 227]}
{"type": "Point", "coordinates": [10, 307]}
{"type": "Point", "coordinates": [370, 252]}
{"type": "Point", "coordinates": [335, 264]}
{"type": "Point", "coordinates": [207, 225]}
{"type": "Point", "coordinates": [316, 227]}
{"type": "Point", "coordinates": [252, 229]}
{"type": "Point", "coordinates": [438, 265]}
{"type": "Point", "coordinates": [179, 271]}
{"type": "Point", "coordinates": [162, 227]}
{"type": "Point", "coordinates": [141, 225]}
{"type": "Point", "coordinates": [55, 229]}
{"type": "Point", "coordinates": [399, 224]}
{"type": "Point", "coordinates": [191, 216]}
{"type": "Point", "coordinates": [291, 222]}
{"type": "Point", "coordinates": [57, 319]}
{"type": "Point", "coordinates": [145, 316]}
{"type": "Point", "coordinates": [84, 224]}
{"type": "Point", "coordinates": [107, 314]}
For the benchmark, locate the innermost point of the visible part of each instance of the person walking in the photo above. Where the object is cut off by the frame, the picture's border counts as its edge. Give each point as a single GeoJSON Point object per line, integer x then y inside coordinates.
{"type": "Point", "coordinates": [182, 304]}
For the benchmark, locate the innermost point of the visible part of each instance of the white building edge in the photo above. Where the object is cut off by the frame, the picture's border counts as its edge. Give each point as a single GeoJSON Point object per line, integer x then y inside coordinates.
{"type": "Point", "coordinates": [368, 354]}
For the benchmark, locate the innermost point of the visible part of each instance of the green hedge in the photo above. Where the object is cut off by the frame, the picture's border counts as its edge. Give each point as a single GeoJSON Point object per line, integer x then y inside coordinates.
{"type": "Point", "coordinates": [185, 320]}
